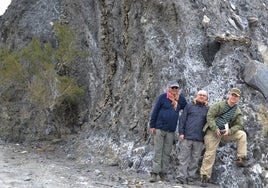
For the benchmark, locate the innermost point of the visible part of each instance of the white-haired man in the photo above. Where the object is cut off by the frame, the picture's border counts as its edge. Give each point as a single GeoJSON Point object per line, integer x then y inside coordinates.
{"type": "Point", "coordinates": [191, 136]}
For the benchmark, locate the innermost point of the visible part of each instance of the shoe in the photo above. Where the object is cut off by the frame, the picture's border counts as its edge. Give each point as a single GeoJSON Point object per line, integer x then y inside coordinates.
{"type": "Point", "coordinates": [153, 177]}
{"type": "Point", "coordinates": [190, 181]}
{"type": "Point", "coordinates": [163, 177]}
{"type": "Point", "coordinates": [181, 180]}
{"type": "Point", "coordinates": [241, 162]}
{"type": "Point", "coordinates": [204, 181]}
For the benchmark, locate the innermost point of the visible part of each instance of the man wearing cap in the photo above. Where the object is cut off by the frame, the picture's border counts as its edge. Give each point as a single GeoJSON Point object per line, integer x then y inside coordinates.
{"type": "Point", "coordinates": [163, 124]}
{"type": "Point", "coordinates": [191, 136]}
{"type": "Point", "coordinates": [224, 123]}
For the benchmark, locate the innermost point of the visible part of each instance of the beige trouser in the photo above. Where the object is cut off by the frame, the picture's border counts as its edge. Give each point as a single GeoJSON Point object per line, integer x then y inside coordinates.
{"type": "Point", "coordinates": [212, 142]}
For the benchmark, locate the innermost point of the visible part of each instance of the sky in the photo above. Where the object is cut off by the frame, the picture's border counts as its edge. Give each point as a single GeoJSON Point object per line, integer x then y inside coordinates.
{"type": "Point", "coordinates": [3, 6]}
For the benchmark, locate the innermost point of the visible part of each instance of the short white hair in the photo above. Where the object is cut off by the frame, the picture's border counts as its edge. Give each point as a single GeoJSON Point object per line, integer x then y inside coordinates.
{"type": "Point", "coordinates": [203, 92]}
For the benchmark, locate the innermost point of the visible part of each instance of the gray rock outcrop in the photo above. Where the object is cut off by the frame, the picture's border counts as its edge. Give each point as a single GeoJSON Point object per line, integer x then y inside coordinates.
{"type": "Point", "coordinates": [136, 48]}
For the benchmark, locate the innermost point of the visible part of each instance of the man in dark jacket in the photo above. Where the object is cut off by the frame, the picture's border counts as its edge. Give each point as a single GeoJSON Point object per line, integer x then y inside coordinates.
{"type": "Point", "coordinates": [191, 136]}
{"type": "Point", "coordinates": [163, 124]}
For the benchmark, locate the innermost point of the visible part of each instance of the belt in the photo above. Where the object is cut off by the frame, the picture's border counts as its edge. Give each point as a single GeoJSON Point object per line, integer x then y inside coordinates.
{"type": "Point", "coordinates": [168, 131]}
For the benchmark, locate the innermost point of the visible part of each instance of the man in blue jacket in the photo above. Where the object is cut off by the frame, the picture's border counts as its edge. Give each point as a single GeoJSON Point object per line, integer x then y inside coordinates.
{"type": "Point", "coordinates": [163, 124]}
{"type": "Point", "coordinates": [191, 136]}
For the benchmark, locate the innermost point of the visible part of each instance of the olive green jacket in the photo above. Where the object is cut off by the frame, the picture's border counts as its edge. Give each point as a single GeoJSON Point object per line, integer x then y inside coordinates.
{"type": "Point", "coordinates": [215, 110]}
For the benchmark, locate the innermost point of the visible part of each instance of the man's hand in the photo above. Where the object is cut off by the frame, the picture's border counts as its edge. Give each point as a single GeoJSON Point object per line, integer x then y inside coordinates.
{"type": "Point", "coordinates": [181, 137]}
{"type": "Point", "coordinates": [226, 132]}
{"type": "Point", "coordinates": [221, 133]}
{"type": "Point", "coordinates": [152, 131]}
{"type": "Point", "coordinates": [218, 133]}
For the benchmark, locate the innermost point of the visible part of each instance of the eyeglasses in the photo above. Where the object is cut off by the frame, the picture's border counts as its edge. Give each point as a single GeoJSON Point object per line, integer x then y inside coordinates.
{"type": "Point", "coordinates": [202, 95]}
{"type": "Point", "coordinates": [234, 95]}
{"type": "Point", "coordinates": [174, 87]}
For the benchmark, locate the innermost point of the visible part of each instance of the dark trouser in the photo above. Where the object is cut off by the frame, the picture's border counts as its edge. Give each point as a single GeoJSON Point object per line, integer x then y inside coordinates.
{"type": "Point", "coordinates": [190, 152]}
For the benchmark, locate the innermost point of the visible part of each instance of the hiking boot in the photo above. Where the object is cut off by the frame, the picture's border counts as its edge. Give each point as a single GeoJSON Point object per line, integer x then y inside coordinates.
{"type": "Point", "coordinates": [204, 181]}
{"type": "Point", "coordinates": [153, 177]}
{"type": "Point", "coordinates": [190, 181]}
{"type": "Point", "coordinates": [241, 162]}
{"type": "Point", "coordinates": [163, 177]}
{"type": "Point", "coordinates": [181, 180]}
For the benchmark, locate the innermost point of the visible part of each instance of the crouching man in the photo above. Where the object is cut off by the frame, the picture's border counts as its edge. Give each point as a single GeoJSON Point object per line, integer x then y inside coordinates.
{"type": "Point", "coordinates": [224, 123]}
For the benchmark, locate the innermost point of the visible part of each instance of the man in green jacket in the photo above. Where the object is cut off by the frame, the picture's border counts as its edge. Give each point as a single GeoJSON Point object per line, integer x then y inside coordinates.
{"type": "Point", "coordinates": [224, 123]}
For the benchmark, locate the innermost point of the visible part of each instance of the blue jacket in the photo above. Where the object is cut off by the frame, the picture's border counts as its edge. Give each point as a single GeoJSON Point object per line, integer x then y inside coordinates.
{"type": "Point", "coordinates": [192, 121]}
{"type": "Point", "coordinates": [164, 116]}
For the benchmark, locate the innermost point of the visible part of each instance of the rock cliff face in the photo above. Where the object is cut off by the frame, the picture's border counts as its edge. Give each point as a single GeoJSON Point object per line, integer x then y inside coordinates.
{"type": "Point", "coordinates": [136, 48]}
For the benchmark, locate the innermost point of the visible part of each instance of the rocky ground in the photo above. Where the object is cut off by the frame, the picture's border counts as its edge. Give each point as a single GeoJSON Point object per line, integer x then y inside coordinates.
{"type": "Point", "coordinates": [43, 166]}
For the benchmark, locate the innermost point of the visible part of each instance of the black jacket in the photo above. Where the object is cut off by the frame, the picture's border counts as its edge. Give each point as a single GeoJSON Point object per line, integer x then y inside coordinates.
{"type": "Point", "coordinates": [192, 121]}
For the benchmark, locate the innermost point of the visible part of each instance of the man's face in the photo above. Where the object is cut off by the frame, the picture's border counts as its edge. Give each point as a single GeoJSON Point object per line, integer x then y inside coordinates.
{"type": "Point", "coordinates": [233, 98]}
{"type": "Point", "coordinates": [174, 90]}
{"type": "Point", "coordinates": [201, 97]}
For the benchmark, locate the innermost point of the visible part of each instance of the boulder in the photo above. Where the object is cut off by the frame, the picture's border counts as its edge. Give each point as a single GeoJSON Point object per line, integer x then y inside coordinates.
{"type": "Point", "coordinates": [256, 75]}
